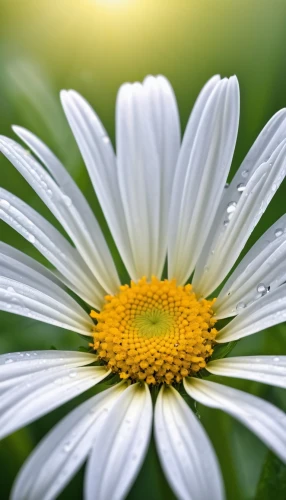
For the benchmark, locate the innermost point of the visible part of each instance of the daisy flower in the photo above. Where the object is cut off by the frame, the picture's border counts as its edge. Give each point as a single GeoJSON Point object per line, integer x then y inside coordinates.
{"type": "Point", "coordinates": [157, 333]}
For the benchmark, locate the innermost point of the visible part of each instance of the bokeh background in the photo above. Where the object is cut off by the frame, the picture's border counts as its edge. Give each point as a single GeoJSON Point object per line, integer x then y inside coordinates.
{"type": "Point", "coordinates": [93, 47]}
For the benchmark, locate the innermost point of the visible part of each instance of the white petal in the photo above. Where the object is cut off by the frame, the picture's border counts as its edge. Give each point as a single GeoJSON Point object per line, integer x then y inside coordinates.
{"type": "Point", "coordinates": [193, 206]}
{"type": "Point", "coordinates": [12, 269]}
{"type": "Point", "coordinates": [185, 452]}
{"type": "Point", "coordinates": [119, 451]}
{"type": "Point", "coordinates": [81, 223]}
{"type": "Point", "coordinates": [61, 453]}
{"type": "Point", "coordinates": [261, 417]}
{"type": "Point", "coordinates": [269, 138]}
{"type": "Point", "coordinates": [229, 235]}
{"type": "Point", "coordinates": [26, 292]}
{"type": "Point", "coordinates": [190, 133]}
{"type": "Point", "coordinates": [97, 152]}
{"type": "Point", "coordinates": [14, 299]}
{"type": "Point", "coordinates": [265, 369]}
{"type": "Point", "coordinates": [268, 311]}
{"type": "Point", "coordinates": [52, 245]}
{"type": "Point", "coordinates": [40, 394]}
{"type": "Point", "coordinates": [148, 139]}
{"type": "Point", "coordinates": [17, 366]}
{"type": "Point", "coordinates": [21, 257]}
{"type": "Point", "coordinates": [261, 270]}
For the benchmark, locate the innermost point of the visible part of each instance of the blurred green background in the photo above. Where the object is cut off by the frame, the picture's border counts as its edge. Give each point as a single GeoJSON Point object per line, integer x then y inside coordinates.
{"type": "Point", "coordinates": [93, 47]}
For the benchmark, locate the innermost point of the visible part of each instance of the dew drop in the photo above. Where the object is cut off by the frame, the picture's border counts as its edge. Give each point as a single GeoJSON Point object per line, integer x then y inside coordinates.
{"type": "Point", "coordinates": [240, 187]}
{"type": "Point", "coordinates": [72, 374]}
{"type": "Point", "coordinates": [67, 446]}
{"type": "Point", "coordinates": [261, 288]}
{"type": "Point", "coordinates": [231, 207]}
{"type": "Point", "coordinates": [226, 185]}
{"type": "Point", "coordinates": [278, 232]}
{"type": "Point", "coordinates": [31, 238]}
{"type": "Point", "coordinates": [8, 361]}
{"type": "Point", "coordinates": [240, 306]}
{"type": "Point", "coordinates": [276, 360]}
{"type": "Point", "coordinates": [5, 204]}
{"type": "Point", "coordinates": [67, 201]}
{"type": "Point", "coordinates": [245, 173]}
{"type": "Point", "coordinates": [106, 139]}
{"type": "Point", "coordinates": [225, 222]}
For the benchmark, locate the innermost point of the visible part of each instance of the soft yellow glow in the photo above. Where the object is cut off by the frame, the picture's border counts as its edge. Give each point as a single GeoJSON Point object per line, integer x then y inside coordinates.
{"type": "Point", "coordinates": [111, 2]}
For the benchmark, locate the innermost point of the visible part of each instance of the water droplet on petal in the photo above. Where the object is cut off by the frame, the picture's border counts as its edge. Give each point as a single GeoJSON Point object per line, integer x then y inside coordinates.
{"type": "Point", "coordinates": [240, 306]}
{"type": "Point", "coordinates": [225, 222]}
{"type": "Point", "coordinates": [276, 360]}
{"type": "Point", "coordinates": [31, 238]}
{"type": "Point", "coordinates": [73, 374]}
{"type": "Point", "coordinates": [231, 207]}
{"type": "Point", "coordinates": [106, 139]}
{"type": "Point", "coordinates": [8, 361]}
{"type": "Point", "coordinates": [261, 288]}
{"type": "Point", "coordinates": [67, 446]}
{"type": "Point", "coordinates": [245, 173]}
{"type": "Point", "coordinates": [67, 201]}
{"type": "Point", "coordinates": [278, 232]}
{"type": "Point", "coordinates": [240, 187]}
{"type": "Point", "coordinates": [226, 185]}
{"type": "Point", "coordinates": [5, 204]}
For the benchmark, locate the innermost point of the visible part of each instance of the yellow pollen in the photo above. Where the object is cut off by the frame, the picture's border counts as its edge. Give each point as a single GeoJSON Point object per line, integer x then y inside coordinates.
{"type": "Point", "coordinates": [155, 331]}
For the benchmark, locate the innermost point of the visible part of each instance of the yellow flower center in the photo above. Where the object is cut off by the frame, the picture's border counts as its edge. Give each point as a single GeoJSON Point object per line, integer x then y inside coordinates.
{"type": "Point", "coordinates": [157, 331]}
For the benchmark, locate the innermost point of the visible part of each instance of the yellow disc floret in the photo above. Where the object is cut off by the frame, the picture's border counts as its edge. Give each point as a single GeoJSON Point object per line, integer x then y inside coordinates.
{"type": "Point", "coordinates": [157, 331]}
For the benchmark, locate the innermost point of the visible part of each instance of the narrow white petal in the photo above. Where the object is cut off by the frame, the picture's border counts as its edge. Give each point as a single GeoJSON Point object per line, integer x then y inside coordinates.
{"type": "Point", "coordinates": [148, 141]}
{"type": "Point", "coordinates": [261, 417]}
{"type": "Point", "coordinates": [81, 223]}
{"type": "Point", "coordinates": [260, 271]}
{"type": "Point", "coordinates": [97, 152]}
{"type": "Point", "coordinates": [190, 134]}
{"type": "Point", "coordinates": [27, 292]}
{"type": "Point", "coordinates": [185, 451]}
{"type": "Point", "coordinates": [14, 299]}
{"type": "Point", "coordinates": [235, 220]}
{"type": "Point", "coordinates": [21, 257]}
{"type": "Point", "coordinates": [17, 366]}
{"type": "Point", "coordinates": [265, 369]}
{"type": "Point", "coordinates": [13, 269]}
{"type": "Point", "coordinates": [269, 138]}
{"type": "Point", "coordinates": [119, 450]}
{"type": "Point", "coordinates": [40, 394]}
{"type": "Point", "coordinates": [193, 207]}
{"type": "Point", "coordinates": [61, 453]}
{"type": "Point", "coordinates": [52, 245]}
{"type": "Point", "coordinates": [268, 311]}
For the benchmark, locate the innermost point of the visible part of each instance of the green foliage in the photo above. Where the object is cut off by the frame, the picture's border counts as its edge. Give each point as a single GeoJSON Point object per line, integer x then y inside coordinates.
{"type": "Point", "coordinates": [272, 483]}
{"type": "Point", "coordinates": [223, 350]}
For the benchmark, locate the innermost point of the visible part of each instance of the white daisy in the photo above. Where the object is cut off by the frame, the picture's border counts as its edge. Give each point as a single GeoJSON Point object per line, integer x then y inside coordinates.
{"type": "Point", "coordinates": [160, 200]}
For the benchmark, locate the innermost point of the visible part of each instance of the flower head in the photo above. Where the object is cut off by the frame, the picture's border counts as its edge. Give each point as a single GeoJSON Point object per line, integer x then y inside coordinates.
{"type": "Point", "coordinates": [158, 332]}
